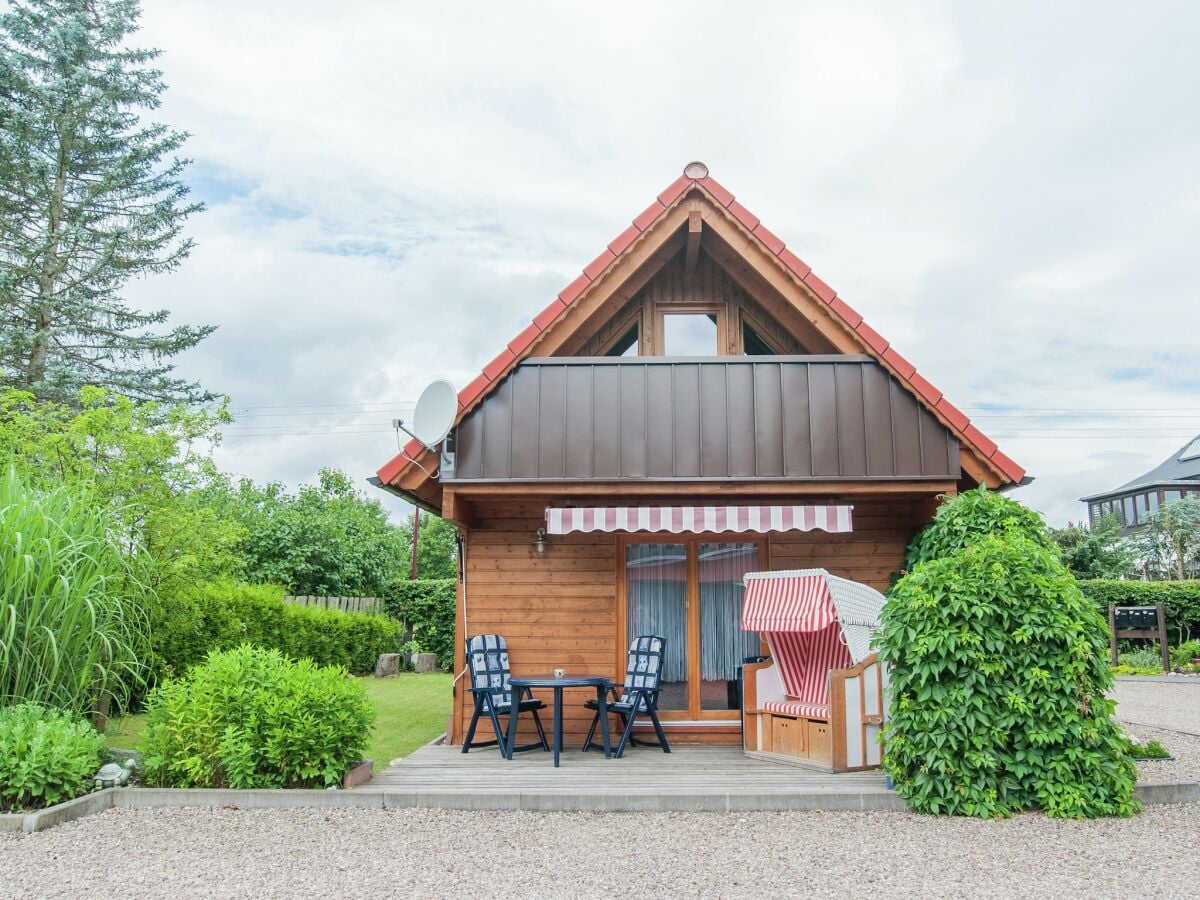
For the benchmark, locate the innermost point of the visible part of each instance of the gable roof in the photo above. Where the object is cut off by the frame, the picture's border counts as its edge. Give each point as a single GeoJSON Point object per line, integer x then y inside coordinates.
{"type": "Point", "coordinates": [697, 181]}
{"type": "Point", "coordinates": [1181, 466]}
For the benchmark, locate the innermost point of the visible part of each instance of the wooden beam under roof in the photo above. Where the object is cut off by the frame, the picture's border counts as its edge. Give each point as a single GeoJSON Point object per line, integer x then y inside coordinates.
{"type": "Point", "coordinates": [695, 226]}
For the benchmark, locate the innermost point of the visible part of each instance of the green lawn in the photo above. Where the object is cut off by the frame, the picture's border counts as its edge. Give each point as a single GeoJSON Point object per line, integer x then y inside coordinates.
{"type": "Point", "coordinates": [410, 710]}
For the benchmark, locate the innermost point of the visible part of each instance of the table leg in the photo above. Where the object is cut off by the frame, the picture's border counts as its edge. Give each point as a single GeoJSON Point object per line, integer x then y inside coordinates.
{"type": "Point", "coordinates": [514, 698]}
{"type": "Point", "coordinates": [557, 723]}
{"type": "Point", "coordinates": [602, 709]}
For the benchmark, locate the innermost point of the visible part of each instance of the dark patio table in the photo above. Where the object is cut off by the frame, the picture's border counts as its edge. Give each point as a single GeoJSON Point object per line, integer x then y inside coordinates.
{"type": "Point", "coordinates": [599, 682]}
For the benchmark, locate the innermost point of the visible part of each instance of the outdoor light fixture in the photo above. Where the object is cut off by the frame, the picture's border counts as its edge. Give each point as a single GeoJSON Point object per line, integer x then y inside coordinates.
{"type": "Point", "coordinates": [540, 542]}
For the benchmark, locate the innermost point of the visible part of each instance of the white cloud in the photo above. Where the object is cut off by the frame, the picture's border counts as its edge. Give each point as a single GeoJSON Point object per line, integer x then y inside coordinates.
{"type": "Point", "coordinates": [395, 189]}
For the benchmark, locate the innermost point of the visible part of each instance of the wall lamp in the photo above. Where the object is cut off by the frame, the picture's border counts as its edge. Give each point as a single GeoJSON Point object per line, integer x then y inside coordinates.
{"type": "Point", "coordinates": [540, 543]}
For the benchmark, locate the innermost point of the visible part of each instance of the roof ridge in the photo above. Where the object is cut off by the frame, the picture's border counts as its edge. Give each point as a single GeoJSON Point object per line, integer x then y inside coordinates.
{"type": "Point", "coordinates": [696, 177]}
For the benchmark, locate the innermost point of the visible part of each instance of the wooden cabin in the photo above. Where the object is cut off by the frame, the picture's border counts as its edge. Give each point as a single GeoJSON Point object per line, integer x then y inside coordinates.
{"type": "Point", "coordinates": [696, 363]}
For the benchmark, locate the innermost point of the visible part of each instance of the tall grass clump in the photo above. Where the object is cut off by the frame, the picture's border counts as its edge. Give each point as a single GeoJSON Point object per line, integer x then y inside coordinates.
{"type": "Point", "coordinates": [72, 629]}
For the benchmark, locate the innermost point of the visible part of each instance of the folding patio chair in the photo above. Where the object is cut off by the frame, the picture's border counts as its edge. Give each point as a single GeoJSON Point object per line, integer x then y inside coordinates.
{"type": "Point", "coordinates": [487, 658]}
{"type": "Point", "coordinates": [639, 694]}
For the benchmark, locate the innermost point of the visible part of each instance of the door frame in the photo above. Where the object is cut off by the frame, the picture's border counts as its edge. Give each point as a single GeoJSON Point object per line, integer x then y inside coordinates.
{"type": "Point", "coordinates": [691, 541]}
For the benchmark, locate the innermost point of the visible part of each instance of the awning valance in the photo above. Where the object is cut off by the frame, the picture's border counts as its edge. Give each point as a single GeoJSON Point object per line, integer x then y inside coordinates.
{"type": "Point", "coordinates": [799, 603]}
{"type": "Point", "coordinates": [698, 519]}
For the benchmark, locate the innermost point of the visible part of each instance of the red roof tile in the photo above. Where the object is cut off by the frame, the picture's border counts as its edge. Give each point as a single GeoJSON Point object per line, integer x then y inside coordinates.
{"type": "Point", "coordinates": [714, 187]}
{"type": "Point", "coordinates": [471, 392]}
{"type": "Point", "coordinates": [743, 215]}
{"type": "Point", "coordinates": [496, 367]}
{"type": "Point", "coordinates": [820, 288]}
{"type": "Point", "coordinates": [648, 215]}
{"type": "Point", "coordinates": [952, 414]}
{"type": "Point", "coordinates": [798, 266]}
{"type": "Point", "coordinates": [925, 389]}
{"type": "Point", "coordinates": [543, 319]}
{"type": "Point", "coordinates": [774, 244]}
{"type": "Point", "coordinates": [519, 344]}
{"type": "Point", "coordinates": [594, 269]}
{"type": "Point", "coordinates": [872, 337]}
{"type": "Point", "coordinates": [985, 444]}
{"type": "Point", "coordinates": [674, 189]}
{"type": "Point", "coordinates": [623, 240]}
{"type": "Point", "coordinates": [902, 366]}
{"type": "Point", "coordinates": [573, 290]}
{"type": "Point", "coordinates": [848, 313]}
{"type": "Point", "coordinates": [1008, 467]}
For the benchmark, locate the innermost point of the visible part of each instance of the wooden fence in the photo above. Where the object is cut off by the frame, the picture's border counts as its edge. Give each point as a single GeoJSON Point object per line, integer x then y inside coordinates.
{"type": "Point", "coordinates": [342, 604]}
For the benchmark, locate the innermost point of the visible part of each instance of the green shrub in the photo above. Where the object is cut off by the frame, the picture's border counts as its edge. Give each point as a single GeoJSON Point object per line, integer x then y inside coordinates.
{"type": "Point", "coordinates": [1141, 659]}
{"type": "Point", "coordinates": [219, 615]}
{"type": "Point", "coordinates": [428, 607]}
{"type": "Point", "coordinates": [1185, 653]}
{"type": "Point", "coordinates": [47, 756]}
{"type": "Point", "coordinates": [1148, 750]}
{"type": "Point", "coordinates": [998, 679]}
{"type": "Point", "coordinates": [71, 629]}
{"type": "Point", "coordinates": [252, 718]}
{"type": "Point", "coordinates": [964, 519]}
{"type": "Point", "coordinates": [1180, 600]}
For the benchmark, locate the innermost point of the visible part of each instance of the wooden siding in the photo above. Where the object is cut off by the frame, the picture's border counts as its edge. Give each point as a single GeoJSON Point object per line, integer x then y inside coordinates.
{"type": "Point", "coordinates": [561, 609]}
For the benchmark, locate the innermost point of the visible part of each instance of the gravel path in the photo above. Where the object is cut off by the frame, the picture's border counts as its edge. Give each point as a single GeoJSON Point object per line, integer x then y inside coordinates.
{"type": "Point", "coordinates": [440, 853]}
{"type": "Point", "coordinates": [1174, 706]}
{"type": "Point", "coordinates": [272, 853]}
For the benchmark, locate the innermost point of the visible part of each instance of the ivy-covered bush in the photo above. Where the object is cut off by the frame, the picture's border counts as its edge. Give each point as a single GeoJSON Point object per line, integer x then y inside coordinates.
{"type": "Point", "coordinates": [964, 519]}
{"type": "Point", "coordinates": [47, 756]}
{"type": "Point", "coordinates": [999, 673]}
{"type": "Point", "coordinates": [427, 607]}
{"type": "Point", "coordinates": [1180, 600]}
{"type": "Point", "coordinates": [252, 718]}
{"type": "Point", "coordinates": [219, 615]}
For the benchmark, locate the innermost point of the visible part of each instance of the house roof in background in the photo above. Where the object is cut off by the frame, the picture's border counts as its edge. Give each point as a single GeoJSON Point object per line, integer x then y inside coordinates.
{"type": "Point", "coordinates": [697, 179]}
{"type": "Point", "coordinates": [1181, 466]}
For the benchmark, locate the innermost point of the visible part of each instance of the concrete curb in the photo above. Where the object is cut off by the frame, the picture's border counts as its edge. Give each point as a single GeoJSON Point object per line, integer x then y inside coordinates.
{"type": "Point", "coordinates": [216, 798]}
{"type": "Point", "coordinates": [41, 819]}
{"type": "Point", "coordinates": [1161, 679]}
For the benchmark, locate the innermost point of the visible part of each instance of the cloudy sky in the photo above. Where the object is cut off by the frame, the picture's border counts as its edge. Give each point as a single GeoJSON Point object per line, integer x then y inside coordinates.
{"type": "Point", "coordinates": [1007, 193]}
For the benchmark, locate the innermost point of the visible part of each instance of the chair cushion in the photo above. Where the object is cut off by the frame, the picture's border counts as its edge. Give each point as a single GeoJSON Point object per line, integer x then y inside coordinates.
{"type": "Point", "coordinates": [793, 708]}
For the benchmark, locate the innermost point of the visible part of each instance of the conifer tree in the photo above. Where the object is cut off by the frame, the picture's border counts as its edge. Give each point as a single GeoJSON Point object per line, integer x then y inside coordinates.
{"type": "Point", "coordinates": [90, 197]}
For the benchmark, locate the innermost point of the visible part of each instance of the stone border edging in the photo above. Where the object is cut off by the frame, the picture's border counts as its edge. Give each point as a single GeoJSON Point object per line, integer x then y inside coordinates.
{"type": "Point", "coordinates": [216, 798]}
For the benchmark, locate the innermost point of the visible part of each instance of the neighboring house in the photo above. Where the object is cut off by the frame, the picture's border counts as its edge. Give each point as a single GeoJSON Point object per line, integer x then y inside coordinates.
{"type": "Point", "coordinates": [1174, 478]}
{"type": "Point", "coordinates": [697, 404]}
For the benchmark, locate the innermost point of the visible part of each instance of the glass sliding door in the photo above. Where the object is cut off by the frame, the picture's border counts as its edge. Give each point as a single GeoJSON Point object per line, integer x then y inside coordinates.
{"type": "Point", "coordinates": [656, 602]}
{"type": "Point", "coordinates": [723, 644]}
{"type": "Point", "coordinates": [690, 593]}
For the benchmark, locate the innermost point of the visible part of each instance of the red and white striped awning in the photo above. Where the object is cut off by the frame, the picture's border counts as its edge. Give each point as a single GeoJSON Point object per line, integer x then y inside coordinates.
{"type": "Point", "coordinates": [698, 519]}
{"type": "Point", "coordinates": [787, 603]}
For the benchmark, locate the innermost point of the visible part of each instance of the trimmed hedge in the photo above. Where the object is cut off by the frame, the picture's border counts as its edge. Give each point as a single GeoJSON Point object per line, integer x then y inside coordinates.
{"type": "Point", "coordinates": [1180, 600]}
{"type": "Point", "coordinates": [428, 607]}
{"type": "Point", "coordinates": [221, 615]}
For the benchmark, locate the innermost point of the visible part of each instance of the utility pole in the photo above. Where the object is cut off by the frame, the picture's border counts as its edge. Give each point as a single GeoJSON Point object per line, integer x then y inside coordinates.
{"type": "Point", "coordinates": [412, 573]}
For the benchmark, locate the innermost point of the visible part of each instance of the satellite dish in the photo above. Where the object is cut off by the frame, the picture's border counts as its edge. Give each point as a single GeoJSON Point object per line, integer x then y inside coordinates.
{"type": "Point", "coordinates": [434, 416]}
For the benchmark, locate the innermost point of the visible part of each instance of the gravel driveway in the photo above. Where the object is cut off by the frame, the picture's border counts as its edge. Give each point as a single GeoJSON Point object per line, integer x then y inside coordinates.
{"type": "Point", "coordinates": [438, 853]}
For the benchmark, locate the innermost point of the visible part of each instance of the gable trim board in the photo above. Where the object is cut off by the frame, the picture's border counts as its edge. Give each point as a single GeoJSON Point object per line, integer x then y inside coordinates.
{"type": "Point", "coordinates": [635, 255]}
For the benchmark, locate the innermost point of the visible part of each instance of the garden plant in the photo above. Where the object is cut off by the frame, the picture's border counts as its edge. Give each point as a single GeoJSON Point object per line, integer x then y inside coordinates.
{"type": "Point", "coordinates": [46, 756]}
{"type": "Point", "coordinates": [252, 718]}
{"type": "Point", "coordinates": [999, 674]}
{"type": "Point", "coordinates": [72, 629]}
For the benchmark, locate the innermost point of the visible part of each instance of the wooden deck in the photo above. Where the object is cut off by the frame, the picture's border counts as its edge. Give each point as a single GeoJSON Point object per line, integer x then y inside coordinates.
{"type": "Point", "coordinates": [694, 778]}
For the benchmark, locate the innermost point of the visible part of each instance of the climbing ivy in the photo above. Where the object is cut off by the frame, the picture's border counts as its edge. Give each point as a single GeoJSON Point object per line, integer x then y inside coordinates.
{"type": "Point", "coordinates": [999, 671]}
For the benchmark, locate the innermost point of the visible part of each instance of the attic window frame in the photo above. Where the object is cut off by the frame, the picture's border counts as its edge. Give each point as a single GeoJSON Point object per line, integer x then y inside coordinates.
{"type": "Point", "coordinates": [719, 310]}
{"type": "Point", "coordinates": [747, 320]}
{"type": "Point", "coordinates": [634, 320]}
